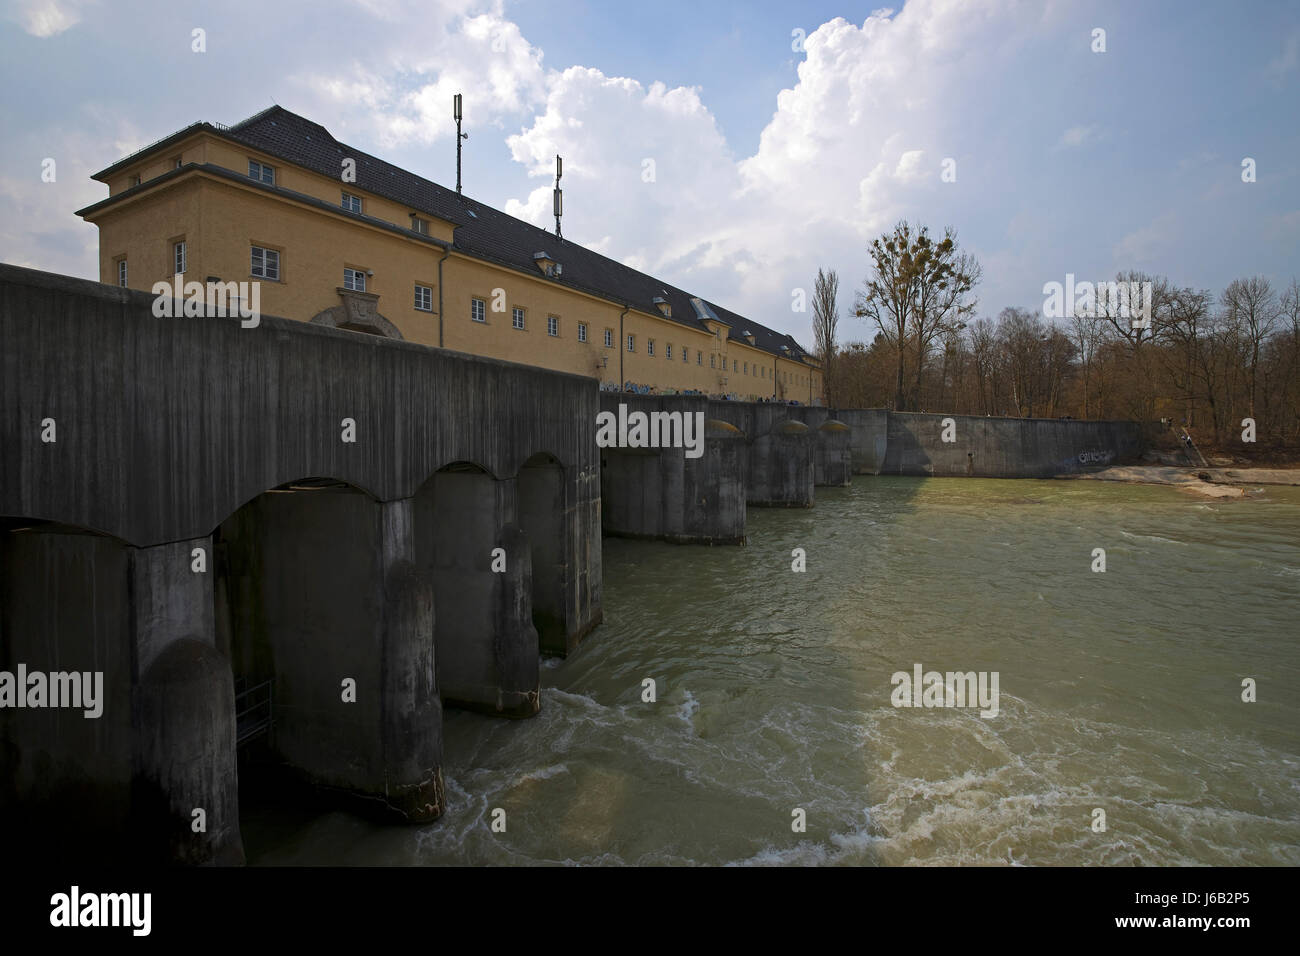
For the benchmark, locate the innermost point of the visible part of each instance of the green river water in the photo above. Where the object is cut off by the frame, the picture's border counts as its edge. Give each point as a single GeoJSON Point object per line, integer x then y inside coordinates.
{"type": "Point", "coordinates": [1119, 690]}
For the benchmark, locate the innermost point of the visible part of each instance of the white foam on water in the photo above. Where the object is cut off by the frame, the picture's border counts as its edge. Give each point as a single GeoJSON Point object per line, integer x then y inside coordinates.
{"type": "Point", "coordinates": [1153, 537]}
{"type": "Point", "coordinates": [686, 711]}
{"type": "Point", "coordinates": [546, 773]}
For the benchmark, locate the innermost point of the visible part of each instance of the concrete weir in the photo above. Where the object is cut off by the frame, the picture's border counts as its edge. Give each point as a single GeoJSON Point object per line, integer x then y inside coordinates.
{"type": "Point", "coordinates": [981, 447]}
{"type": "Point", "coordinates": [663, 492]}
{"type": "Point", "coordinates": [302, 537]}
{"type": "Point", "coordinates": [302, 543]}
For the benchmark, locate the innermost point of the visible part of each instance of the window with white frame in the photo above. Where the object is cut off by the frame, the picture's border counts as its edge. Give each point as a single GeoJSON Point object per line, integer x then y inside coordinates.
{"type": "Point", "coordinates": [649, 346]}
{"type": "Point", "coordinates": [552, 325]}
{"type": "Point", "coordinates": [631, 343]}
{"type": "Point", "coordinates": [178, 257]}
{"type": "Point", "coordinates": [121, 272]}
{"type": "Point", "coordinates": [699, 358]}
{"type": "Point", "coordinates": [423, 298]}
{"type": "Point", "coordinates": [266, 264]}
{"type": "Point", "coordinates": [668, 352]}
{"type": "Point", "coordinates": [351, 203]}
{"type": "Point", "coordinates": [478, 310]}
{"type": "Point", "coordinates": [261, 172]}
{"type": "Point", "coordinates": [517, 317]}
{"type": "Point", "coordinates": [582, 331]}
{"type": "Point", "coordinates": [609, 338]}
{"type": "Point", "coordinates": [354, 279]}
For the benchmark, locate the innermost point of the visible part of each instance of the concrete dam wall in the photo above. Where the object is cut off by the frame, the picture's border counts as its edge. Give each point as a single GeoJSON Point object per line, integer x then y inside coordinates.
{"type": "Point", "coordinates": [363, 528]}
{"type": "Point", "coordinates": [1003, 447]}
{"type": "Point", "coordinates": [359, 530]}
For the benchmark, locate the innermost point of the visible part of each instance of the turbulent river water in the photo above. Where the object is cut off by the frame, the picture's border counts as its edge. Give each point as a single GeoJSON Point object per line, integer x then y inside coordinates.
{"type": "Point", "coordinates": [1120, 691]}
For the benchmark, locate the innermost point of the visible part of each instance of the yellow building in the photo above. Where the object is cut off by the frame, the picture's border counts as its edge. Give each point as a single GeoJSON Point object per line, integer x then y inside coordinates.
{"type": "Point", "coordinates": [332, 235]}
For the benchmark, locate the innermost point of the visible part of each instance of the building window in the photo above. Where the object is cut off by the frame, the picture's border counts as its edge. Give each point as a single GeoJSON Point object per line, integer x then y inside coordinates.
{"type": "Point", "coordinates": [423, 298]}
{"type": "Point", "coordinates": [582, 331]}
{"type": "Point", "coordinates": [552, 325]}
{"type": "Point", "coordinates": [609, 338]}
{"type": "Point", "coordinates": [711, 362]}
{"type": "Point", "coordinates": [266, 264]}
{"type": "Point", "coordinates": [699, 359]}
{"type": "Point", "coordinates": [135, 180]}
{"type": "Point", "coordinates": [746, 368]}
{"type": "Point", "coordinates": [649, 346]}
{"type": "Point", "coordinates": [420, 225]}
{"type": "Point", "coordinates": [177, 163]}
{"type": "Point", "coordinates": [178, 257]}
{"type": "Point", "coordinates": [517, 318]}
{"type": "Point", "coordinates": [351, 203]}
{"type": "Point", "coordinates": [261, 172]}
{"type": "Point", "coordinates": [668, 351]}
{"type": "Point", "coordinates": [686, 354]}
{"type": "Point", "coordinates": [354, 279]}
{"type": "Point", "coordinates": [478, 310]}
{"type": "Point", "coordinates": [121, 273]}
{"type": "Point", "coordinates": [631, 343]}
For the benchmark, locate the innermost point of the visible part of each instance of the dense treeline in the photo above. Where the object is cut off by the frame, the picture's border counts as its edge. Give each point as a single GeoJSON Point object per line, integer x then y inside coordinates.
{"type": "Point", "coordinates": [1204, 358]}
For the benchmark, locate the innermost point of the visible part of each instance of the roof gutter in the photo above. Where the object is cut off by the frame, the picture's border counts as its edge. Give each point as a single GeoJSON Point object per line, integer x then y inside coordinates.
{"type": "Point", "coordinates": [622, 347]}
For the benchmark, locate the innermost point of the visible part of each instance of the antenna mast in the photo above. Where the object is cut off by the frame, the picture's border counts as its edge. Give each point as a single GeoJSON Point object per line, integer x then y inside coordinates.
{"type": "Point", "coordinates": [559, 195]}
{"type": "Point", "coordinates": [456, 112]}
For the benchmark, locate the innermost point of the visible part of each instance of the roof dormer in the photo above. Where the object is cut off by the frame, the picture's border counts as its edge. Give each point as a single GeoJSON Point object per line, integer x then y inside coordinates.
{"type": "Point", "coordinates": [704, 312]}
{"type": "Point", "coordinates": [550, 268]}
{"type": "Point", "coordinates": [662, 304]}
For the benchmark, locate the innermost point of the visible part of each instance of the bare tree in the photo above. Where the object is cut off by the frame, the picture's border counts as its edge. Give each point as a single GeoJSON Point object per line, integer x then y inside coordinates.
{"type": "Point", "coordinates": [1251, 306]}
{"type": "Point", "coordinates": [1087, 335]}
{"type": "Point", "coordinates": [920, 289]}
{"type": "Point", "coordinates": [988, 363]}
{"type": "Point", "coordinates": [826, 320]}
{"type": "Point", "coordinates": [887, 298]}
{"type": "Point", "coordinates": [1290, 398]}
{"type": "Point", "coordinates": [945, 279]}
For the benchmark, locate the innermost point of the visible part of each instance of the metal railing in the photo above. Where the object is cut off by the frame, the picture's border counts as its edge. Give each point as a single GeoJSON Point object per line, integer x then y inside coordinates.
{"type": "Point", "coordinates": [253, 709]}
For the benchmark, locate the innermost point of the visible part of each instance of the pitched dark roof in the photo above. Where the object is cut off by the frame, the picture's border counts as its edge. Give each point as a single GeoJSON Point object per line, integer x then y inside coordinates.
{"type": "Point", "coordinates": [487, 233]}
{"type": "Point", "coordinates": [300, 141]}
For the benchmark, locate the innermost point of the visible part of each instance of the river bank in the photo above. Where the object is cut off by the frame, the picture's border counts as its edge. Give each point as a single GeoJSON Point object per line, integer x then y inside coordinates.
{"type": "Point", "coordinates": [1209, 482]}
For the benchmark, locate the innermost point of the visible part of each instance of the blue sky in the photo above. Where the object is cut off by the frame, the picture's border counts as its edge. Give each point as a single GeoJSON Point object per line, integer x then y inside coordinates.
{"type": "Point", "coordinates": [769, 162]}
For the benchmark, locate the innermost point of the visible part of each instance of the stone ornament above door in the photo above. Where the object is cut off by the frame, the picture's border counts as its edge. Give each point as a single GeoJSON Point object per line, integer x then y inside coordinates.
{"type": "Point", "coordinates": [359, 312]}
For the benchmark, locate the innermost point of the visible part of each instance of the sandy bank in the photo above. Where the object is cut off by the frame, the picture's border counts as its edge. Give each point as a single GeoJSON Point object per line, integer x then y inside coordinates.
{"type": "Point", "coordinates": [1209, 482]}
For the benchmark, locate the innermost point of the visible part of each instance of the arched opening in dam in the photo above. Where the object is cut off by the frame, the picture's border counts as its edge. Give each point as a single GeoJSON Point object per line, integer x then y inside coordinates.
{"type": "Point", "coordinates": [314, 587]}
